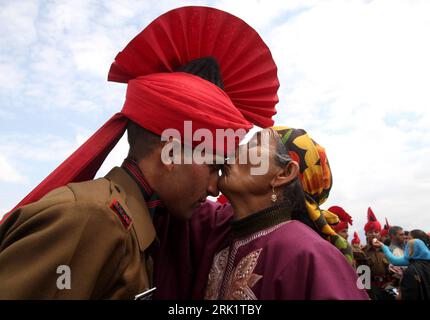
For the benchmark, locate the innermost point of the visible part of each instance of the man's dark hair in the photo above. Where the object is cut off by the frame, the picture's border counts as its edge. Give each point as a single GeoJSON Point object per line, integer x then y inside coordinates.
{"type": "Point", "coordinates": [393, 230]}
{"type": "Point", "coordinates": [142, 141]}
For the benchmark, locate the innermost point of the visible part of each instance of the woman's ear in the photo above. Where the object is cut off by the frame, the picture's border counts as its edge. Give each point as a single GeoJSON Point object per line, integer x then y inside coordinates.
{"type": "Point", "coordinates": [285, 175]}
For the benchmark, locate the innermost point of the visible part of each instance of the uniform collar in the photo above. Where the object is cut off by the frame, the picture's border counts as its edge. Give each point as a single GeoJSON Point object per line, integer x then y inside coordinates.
{"type": "Point", "coordinates": [152, 199]}
{"type": "Point", "coordinates": [130, 192]}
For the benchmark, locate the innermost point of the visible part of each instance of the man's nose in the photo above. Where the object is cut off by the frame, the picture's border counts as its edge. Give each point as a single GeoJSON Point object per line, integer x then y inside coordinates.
{"type": "Point", "coordinates": [213, 185]}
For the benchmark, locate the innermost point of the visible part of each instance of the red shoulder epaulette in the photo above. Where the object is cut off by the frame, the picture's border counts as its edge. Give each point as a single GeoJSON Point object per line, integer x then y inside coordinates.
{"type": "Point", "coordinates": [120, 212]}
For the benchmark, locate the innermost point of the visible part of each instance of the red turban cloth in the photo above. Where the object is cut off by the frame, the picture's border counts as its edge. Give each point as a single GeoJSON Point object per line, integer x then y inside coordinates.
{"type": "Point", "coordinates": [159, 98]}
{"type": "Point", "coordinates": [372, 222]}
{"type": "Point", "coordinates": [155, 102]}
{"type": "Point", "coordinates": [344, 218]}
{"type": "Point", "coordinates": [386, 229]}
{"type": "Point", "coordinates": [356, 239]}
{"type": "Point", "coordinates": [165, 100]}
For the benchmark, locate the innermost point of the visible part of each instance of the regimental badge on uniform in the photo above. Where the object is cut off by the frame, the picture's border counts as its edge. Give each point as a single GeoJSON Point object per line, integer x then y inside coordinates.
{"type": "Point", "coordinates": [121, 213]}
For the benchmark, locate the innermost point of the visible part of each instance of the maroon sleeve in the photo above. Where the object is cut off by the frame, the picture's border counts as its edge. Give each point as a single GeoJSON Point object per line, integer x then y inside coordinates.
{"type": "Point", "coordinates": [209, 228]}
{"type": "Point", "coordinates": [183, 256]}
{"type": "Point", "coordinates": [320, 273]}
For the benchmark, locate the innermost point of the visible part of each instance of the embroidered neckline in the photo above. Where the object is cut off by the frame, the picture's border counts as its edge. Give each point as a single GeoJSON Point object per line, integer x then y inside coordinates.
{"type": "Point", "coordinates": [260, 220]}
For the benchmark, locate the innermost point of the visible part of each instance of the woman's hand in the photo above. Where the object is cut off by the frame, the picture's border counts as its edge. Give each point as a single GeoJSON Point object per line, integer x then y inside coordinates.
{"type": "Point", "coordinates": [377, 244]}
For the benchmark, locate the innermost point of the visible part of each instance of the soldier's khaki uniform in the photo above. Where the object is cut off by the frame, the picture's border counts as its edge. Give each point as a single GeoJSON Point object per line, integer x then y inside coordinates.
{"type": "Point", "coordinates": [377, 261]}
{"type": "Point", "coordinates": [380, 274]}
{"type": "Point", "coordinates": [76, 226]}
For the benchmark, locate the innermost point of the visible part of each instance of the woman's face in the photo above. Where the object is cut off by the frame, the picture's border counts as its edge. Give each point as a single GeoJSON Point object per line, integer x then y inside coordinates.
{"type": "Point", "coordinates": [252, 168]}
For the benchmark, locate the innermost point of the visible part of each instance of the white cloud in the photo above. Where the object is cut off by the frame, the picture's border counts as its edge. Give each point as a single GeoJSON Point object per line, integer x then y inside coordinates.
{"type": "Point", "coordinates": [36, 147]}
{"type": "Point", "coordinates": [17, 24]}
{"type": "Point", "coordinates": [92, 54]}
{"type": "Point", "coordinates": [11, 76]}
{"type": "Point", "coordinates": [8, 173]}
{"type": "Point", "coordinates": [261, 14]}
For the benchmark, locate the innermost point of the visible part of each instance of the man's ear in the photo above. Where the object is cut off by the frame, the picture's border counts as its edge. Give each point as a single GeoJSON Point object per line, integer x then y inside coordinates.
{"type": "Point", "coordinates": [169, 154]}
{"type": "Point", "coordinates": [285, 175]}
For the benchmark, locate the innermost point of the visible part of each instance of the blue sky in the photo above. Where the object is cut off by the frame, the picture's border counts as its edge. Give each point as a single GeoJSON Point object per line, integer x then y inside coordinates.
{"type": "Point", "coordinates": [354, 74]}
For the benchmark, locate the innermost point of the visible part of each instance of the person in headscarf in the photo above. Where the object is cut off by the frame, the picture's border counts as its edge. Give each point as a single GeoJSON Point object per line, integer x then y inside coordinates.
{"type": "Point", "coordinates": [316, 179]}
{"type": "Point", "coordinates": [77, 238]}
{"type": "Point", "coordinates": [342, 227]}
{"type": "Point", "coordinates": [381, 276]}
{"type": "Point", "coordinates": [415, 282]}
{"type": "Point", "coordinates": [271, 238]}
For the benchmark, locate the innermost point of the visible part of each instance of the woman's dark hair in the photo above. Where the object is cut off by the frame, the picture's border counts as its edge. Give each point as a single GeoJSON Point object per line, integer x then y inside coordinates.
{"type": "Point", "coordinates": [292, 193]}
{"type": "Point", "coordinates": [419, 234]}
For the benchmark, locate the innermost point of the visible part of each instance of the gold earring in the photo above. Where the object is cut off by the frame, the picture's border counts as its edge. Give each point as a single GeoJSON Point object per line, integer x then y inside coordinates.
{"type": "Point", "coordinates": [274, 196]}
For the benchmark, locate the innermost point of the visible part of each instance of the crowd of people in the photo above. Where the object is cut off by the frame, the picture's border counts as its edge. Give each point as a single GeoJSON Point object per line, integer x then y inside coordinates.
{"type": "Point", "coordinates": [399, 260]}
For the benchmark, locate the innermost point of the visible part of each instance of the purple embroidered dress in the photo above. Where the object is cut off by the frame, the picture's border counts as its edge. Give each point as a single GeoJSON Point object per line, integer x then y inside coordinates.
{"type": "Point", "coordinates": [264, 256]}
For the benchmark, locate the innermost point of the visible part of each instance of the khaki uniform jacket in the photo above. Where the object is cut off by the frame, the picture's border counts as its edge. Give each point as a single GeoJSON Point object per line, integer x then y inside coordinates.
{"type": "Point", "coordinates": [76, 226]}
{"type": "Point", "coordinates": [377, 261]}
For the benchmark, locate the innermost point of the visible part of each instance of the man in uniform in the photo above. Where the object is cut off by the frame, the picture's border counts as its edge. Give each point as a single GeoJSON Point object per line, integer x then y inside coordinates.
{"type": "Point", "coordinates": [77, 238]}
{"type": "Point", "coordinates": [357, 251]}
{"type": "Point", "coordinates": [381, 278]}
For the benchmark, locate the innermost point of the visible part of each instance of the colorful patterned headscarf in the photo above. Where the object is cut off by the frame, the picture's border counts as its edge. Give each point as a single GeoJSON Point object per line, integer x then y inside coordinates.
{"type": "Point", "coordinates": [316, 179]}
